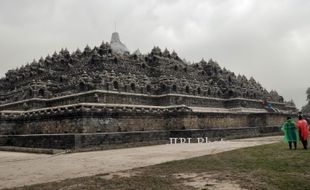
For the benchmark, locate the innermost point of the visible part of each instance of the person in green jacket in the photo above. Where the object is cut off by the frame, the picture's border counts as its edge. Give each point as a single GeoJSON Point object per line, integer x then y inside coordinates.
{"type": "Point", "coordinates": [290, 132]}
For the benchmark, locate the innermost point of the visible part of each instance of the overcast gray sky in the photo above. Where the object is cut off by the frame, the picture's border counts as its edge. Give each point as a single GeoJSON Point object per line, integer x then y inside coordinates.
{"type": "Point", "coordinates": [269, 40]}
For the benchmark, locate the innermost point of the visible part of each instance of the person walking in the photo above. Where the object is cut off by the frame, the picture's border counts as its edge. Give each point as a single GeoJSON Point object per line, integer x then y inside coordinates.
{"type": "Point", "coordinates": [290, 132]}
{"type": "Point", "coordinates": [303, 129]}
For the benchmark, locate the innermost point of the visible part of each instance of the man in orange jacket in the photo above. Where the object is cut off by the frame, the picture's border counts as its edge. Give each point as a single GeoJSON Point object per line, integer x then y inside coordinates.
{"type": "Point", "coordinates": [303, 129]}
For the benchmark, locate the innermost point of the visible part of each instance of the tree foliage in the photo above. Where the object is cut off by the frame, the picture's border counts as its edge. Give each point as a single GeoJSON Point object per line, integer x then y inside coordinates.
{"type": "Point", "coordinates": [306, 108]}
{"type": "Point", "coordinates": [308, 94]}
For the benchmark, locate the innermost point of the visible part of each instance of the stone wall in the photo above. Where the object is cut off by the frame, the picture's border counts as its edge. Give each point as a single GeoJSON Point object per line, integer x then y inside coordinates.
{"type": "Point", "coordinates": [276, 119]}
{"type": "Point", "coordinates": [89, 140]}
{"type": "Point", "coordinates": [113, 97]}
{"type": "Point", "coordinates": [93, 118]}
{"type": "Point", "coordinates": [91, 124]}
{"type": "Point", "coordinates": [224, 120]}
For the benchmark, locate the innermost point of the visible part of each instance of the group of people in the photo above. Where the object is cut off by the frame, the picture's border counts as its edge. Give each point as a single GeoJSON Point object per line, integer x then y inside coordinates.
{"type": "Point", "coordinates": [293, 132]}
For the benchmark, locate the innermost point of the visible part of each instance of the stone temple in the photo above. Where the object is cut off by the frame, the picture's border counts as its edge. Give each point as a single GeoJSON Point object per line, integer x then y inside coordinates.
{"type": "Point", "coordinates": [106, 95]}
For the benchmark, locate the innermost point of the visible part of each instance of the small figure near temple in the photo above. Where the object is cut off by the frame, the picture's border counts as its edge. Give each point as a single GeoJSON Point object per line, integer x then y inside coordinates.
{"type": "Point", "coordinates": [290, 132]}
{"type": "Point", "coordinates": [303, 129]}
{"type": "Point", "coordinates": [268, 106]}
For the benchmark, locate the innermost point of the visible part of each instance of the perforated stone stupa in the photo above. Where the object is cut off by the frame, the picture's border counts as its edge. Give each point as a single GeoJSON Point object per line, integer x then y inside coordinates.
{"type": "Point", "coordinates": [105, 90]}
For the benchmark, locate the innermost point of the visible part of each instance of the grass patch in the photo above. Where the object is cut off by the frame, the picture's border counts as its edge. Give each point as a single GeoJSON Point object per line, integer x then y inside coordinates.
{"type": "Point", "coordinates": [116, 183]}
{"type": "Point", "coordinates": [269, 167]}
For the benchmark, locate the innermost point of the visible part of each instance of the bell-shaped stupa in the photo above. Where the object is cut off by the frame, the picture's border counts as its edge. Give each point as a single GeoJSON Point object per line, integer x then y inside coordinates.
{"type": "Point", "coordinates": [116, 44]}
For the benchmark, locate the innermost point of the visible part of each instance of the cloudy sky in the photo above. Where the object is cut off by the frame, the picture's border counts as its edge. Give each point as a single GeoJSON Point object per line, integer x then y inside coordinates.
{"type": "Point", "coordinates": [269, 40]}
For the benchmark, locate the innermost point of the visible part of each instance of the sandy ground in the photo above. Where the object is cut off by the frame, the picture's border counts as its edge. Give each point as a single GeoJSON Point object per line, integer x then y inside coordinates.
{"type": "Point", "coordinates": [19, 169]}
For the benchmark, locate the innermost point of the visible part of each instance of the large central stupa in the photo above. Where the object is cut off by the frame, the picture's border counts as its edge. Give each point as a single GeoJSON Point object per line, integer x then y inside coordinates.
{"type": "Point", "coordinates": [117, 45]}
{"type": "Point", "coordinates": [105, 95]}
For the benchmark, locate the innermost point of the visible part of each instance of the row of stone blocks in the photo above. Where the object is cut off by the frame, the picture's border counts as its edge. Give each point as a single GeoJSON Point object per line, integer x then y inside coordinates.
{"type": "Point", "coordinates": [112, 97]}
{"type": "Point", "coordinates": [101, 108]}
{"type": "Point", "coordinates": [89, 140]}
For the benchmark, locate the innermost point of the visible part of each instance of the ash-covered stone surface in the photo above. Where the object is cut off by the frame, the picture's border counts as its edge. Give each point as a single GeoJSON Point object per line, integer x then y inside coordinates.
{"type": "Point", "coordinates": [110, 66]}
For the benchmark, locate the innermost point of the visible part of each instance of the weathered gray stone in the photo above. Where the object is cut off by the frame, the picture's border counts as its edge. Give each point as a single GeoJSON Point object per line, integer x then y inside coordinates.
{"type": "Point", "coordinates": [57, 101]}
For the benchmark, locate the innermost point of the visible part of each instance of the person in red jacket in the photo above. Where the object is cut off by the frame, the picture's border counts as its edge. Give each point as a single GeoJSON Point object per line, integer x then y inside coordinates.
{"type": "Point", "coordinates": [303, 129]}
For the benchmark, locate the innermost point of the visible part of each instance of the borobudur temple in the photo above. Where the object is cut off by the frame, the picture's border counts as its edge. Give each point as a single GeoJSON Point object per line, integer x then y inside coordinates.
{"type": "Point", "coordinates": [106, 95]}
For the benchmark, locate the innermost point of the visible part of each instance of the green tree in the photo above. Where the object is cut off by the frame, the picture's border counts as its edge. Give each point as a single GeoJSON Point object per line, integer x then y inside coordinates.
{"type": "Point", "coordinates": [306, 108]}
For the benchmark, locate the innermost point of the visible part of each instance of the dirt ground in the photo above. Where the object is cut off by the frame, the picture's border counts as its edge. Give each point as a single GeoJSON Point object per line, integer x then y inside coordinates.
{"type": "Point", "coordinates": [206, 180]}
{"type": "Point", "coordinates": [19, 169]}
